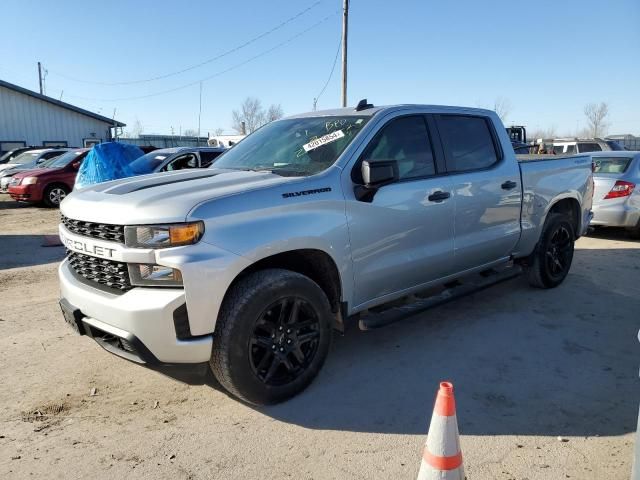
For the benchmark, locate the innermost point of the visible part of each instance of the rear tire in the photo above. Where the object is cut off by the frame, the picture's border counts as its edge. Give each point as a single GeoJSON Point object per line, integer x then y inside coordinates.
{"type": "Point", "coordinates": [54, 194]}
{"type": "Point", "coordinates": [549, 264]}
{"type": "Point", "coordinates": [635, 232]}
{"type": "Point", "coordinates": [272, 336]}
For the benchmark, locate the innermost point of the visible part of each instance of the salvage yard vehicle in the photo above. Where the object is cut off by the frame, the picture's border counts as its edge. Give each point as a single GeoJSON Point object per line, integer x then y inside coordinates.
{"type": "Point", "coordinates": [51, 183]}
{"type": "Point", "coordinates": [570, 146]}
{"type": "Point", "coordinates": [616, 199]}
{"type": "Point", "coordinates": [176, 158]}
{"type": "Point", "coordinates": [305, 224]}
{"type": "Point", "coordinates": [27, 161]}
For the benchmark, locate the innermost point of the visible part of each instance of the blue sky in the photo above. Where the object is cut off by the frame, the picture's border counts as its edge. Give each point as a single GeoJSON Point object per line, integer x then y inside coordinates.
{"type": "Point", "coordinates": [547, 58]}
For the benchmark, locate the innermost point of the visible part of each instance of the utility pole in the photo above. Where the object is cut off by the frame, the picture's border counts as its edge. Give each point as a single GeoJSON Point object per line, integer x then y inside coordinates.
{"type": "Point", "coordinates": [199, 113]}
{"type": "Point", "coordinates": [40, 77]}
{"type": "Point", "coordinates": [345, 25]}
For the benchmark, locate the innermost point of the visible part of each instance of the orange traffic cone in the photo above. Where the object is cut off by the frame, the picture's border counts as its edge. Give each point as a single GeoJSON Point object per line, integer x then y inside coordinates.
{"type": "Point", "coordinates": [442, 459]}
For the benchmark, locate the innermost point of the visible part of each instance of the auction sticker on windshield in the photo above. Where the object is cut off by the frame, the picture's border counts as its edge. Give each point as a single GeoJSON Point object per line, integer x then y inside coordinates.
{"type": "Point", "coordinates": [328, 138]}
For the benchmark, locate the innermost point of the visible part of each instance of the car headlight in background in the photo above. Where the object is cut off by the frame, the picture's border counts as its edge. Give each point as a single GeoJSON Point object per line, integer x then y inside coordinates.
{"type": "Point", "coordinates": [163, 236]}
{"type": "Point", "coordinates": [144, 275]}
{"type": "Point", "coordinates": [29, 180]}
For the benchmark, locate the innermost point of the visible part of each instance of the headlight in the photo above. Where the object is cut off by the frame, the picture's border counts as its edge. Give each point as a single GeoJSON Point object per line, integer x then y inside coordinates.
{"type": "Point", "coordinates": [29, 180]}
{"type": "Point", "coordinates": [143, 275]}
{"type": "Point", "coordinates": [163, 236]}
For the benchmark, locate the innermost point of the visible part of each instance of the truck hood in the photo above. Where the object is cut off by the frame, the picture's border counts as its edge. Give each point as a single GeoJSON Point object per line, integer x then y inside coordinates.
{"type": "Point", "coordinates": [161, 197]}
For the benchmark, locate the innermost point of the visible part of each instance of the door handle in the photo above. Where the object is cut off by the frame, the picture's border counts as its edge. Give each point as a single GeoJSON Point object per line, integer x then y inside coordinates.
{"type": "Point", "coordinates": [508, 185]}
{"type": "Point", "coordinates": [438, 196]}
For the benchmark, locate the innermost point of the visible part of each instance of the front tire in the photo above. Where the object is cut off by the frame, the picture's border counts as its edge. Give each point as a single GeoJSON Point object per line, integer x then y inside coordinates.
{"type": "Point", "coordinates": [549, 264]}
{"type": "Point", "coordinates": [54, 194]}
{"type": "Point", "coordinates": [272, 336]}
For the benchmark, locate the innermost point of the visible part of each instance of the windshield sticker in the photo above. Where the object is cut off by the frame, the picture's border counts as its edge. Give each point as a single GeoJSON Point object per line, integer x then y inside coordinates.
{"type": "Point", "coordinates": [325, 139]}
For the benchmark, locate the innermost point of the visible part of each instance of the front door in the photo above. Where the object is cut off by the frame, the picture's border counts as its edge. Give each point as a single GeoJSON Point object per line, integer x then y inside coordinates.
{"type": "Point", "coordinates": [403, 237]}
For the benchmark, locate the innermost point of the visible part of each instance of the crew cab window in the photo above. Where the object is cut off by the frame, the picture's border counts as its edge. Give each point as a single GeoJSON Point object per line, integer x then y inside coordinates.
{"type": "Point", "coordinates": [405, 140]}
{"type": "Point", "coordinates": [184, 161]}
{"type": "Point", "coordinates": [467, 141]}
{"type": "Point", "coordinates": [207, 158]}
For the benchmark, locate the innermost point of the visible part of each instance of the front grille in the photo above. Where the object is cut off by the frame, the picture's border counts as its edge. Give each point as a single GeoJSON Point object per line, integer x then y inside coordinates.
{"type": "Point", "coordinates": [108, 273]}
{"type": "Point", "coordinates": [103, 231]}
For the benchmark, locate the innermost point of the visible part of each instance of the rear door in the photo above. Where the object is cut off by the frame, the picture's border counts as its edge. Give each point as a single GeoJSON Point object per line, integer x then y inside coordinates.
{"type": "Point", "coordinates": [403, 237]}
{"type": "Point", "coordinates": [487, 190]}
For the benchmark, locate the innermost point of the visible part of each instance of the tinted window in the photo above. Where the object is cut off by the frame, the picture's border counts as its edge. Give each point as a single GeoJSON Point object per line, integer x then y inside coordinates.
{"type": "Point", "coordinates": [207, 158]}
{"type": "Point", "coordinates": [610, 164]}
{"type": "Point", "coordinates": [589, 147]}
{"type": "Point", "coordinates": [571, 149]}
{"type": "Point", "coordinates": [467, 141]}
{"type": "Point", "coordinates": [557, 149]}
{"type": "Point", "coordinates": [405, 140]}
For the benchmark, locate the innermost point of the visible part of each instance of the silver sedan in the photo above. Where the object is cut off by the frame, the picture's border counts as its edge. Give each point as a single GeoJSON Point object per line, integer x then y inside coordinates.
{"type": "Point", "coordinates": [616, 199]}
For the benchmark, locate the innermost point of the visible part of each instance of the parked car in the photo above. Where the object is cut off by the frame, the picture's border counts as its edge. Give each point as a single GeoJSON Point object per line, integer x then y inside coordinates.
{"type": "Point", "coordinates": [306, 223]}
{"type": "Point", "coordinates": [50, 184]}
{"type": "Point", "coordinates": [28, 161]}
{"type": "Point", "coordinates": [32, 158]}
{"type": "Point", "coordinates": [176, 158]}
{"type": "Point", "coordinates": [572, 146]}
{"type": "Point", "coordinates": [616, 199]}
{"type": "Point", "coordinates": [11, 154]}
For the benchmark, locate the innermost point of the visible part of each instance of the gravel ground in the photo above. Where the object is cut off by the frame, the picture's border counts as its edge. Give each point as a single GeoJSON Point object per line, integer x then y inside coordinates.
{"type": "Point", "coordinates": [528, 366]}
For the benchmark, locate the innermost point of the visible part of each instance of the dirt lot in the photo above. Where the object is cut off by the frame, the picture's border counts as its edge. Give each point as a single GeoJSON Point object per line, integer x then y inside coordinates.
{"type": "Point", "coordinates": [528, 366]}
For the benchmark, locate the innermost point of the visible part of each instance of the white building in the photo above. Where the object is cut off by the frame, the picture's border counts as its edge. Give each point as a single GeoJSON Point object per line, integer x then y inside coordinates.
{"type": "Point", "coordinates": [28, 118]}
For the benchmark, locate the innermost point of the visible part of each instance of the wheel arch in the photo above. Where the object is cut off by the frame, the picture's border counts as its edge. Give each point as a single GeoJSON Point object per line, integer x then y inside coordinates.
{"type": "Point", "coordinates": [315, 264]}
{"type": "Point", "coordinates": [570, 207]}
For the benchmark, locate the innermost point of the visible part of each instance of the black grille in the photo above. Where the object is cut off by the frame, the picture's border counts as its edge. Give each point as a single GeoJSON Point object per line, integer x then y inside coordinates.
{"type": "Point", "coordinates": [104, 272]}
{"type": "Point", "coordinates": [103, 231]}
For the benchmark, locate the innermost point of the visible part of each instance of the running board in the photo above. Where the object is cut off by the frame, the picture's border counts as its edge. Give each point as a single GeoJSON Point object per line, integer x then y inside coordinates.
{"type": "Point", "coordinates": [395, 311]}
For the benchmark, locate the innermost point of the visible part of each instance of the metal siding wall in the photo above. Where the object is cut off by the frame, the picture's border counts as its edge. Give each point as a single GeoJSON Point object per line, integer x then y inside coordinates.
{"type": "Point", "coordinates": [32, 120]}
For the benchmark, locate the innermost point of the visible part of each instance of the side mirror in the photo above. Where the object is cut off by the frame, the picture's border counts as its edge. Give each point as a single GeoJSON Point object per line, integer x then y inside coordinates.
{"type": "Point", "coordinates": [375, 175]}
{"type": "Point", "coordinates": [379, 173]}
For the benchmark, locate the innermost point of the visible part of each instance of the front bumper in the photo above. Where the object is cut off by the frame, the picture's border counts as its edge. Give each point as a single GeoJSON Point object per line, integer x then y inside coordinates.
{"type": "Point", "coordinates": [137, 325]}
{"type": "Point", "coordinates": [25, 193]}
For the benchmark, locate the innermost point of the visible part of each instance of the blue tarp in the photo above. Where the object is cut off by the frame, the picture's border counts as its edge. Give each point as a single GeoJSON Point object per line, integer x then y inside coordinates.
{"type": "Point", "coordinates": [107, 161]}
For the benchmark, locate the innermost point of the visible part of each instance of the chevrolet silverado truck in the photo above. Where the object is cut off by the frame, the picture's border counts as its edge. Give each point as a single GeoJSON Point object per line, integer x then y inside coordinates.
{"type": "Point", "coordinates": [249, 265]}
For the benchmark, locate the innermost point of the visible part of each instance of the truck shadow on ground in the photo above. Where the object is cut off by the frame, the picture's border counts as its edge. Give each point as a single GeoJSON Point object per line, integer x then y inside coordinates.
{"type": "Point", "coordinates": [27, 250]}
{"type": "Point", "coordinates": [523, 362]}
{"type": "Point", "coordinates": [9, 204]}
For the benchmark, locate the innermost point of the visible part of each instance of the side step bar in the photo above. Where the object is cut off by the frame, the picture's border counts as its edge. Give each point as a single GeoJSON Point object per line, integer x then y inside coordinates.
{"type": "Point", "coordinates": [399, 310]}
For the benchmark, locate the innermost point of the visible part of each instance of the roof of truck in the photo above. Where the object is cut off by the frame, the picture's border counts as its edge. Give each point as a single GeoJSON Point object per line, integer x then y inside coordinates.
{"type": "Point", "coordinates": [369, 112]}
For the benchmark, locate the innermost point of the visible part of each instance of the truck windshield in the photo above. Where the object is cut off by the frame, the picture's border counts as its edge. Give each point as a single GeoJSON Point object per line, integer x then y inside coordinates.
{"type": "Point", "coordinates": [294, 147]}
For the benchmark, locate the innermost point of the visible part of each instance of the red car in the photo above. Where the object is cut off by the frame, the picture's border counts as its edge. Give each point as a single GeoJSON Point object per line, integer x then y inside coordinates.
{"type": "Point", "coordinates": [51, 183]}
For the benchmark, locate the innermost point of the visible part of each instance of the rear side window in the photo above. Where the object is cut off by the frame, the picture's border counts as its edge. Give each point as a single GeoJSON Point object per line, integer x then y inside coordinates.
{"type": "Point", "coordinates": [405, 140]}
{"type": "Point", "coordinates": [611, 164]}
{"type": "Point", "coordinates": [207, 158]}
{"type": "Point", "coordinates": [571, 149]}
{"type": "Point", "coordinates": [468, 142]}
{"type": "Point", "coordinates": [589, 147]}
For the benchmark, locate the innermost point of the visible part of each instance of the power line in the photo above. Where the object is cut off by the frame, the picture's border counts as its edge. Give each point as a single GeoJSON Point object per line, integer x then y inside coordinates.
{"type": "Point", "coordinates": [333, 67]}
{"type": "Point", "coordinates": [217, 74]}
{"type": "Point", "coordinates": [205, 62]}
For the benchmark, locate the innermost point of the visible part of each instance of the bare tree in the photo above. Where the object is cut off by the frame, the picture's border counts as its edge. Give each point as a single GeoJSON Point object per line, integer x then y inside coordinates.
{"type": "Point", "coordinates": [251, 113]}
{"type": "Point", "coordinates": [218, 131]}
{"type": "Point", "coordinates": [190, 132]}
{"type": "Point", "coordinates": [136, 130]}
{"type": "Point", "coordinates": [502, 107]}
{"type": "Point", "coordinates": [551, 132]}
{"type": "Point", "coordinates": [596, 115]}
{"type": "Point", "coordinates": [274, 113]}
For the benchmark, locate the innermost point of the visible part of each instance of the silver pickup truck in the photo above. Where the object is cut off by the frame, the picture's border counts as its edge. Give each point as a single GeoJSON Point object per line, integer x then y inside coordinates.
{"type": "Point", "coordinates": [309, 221]}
